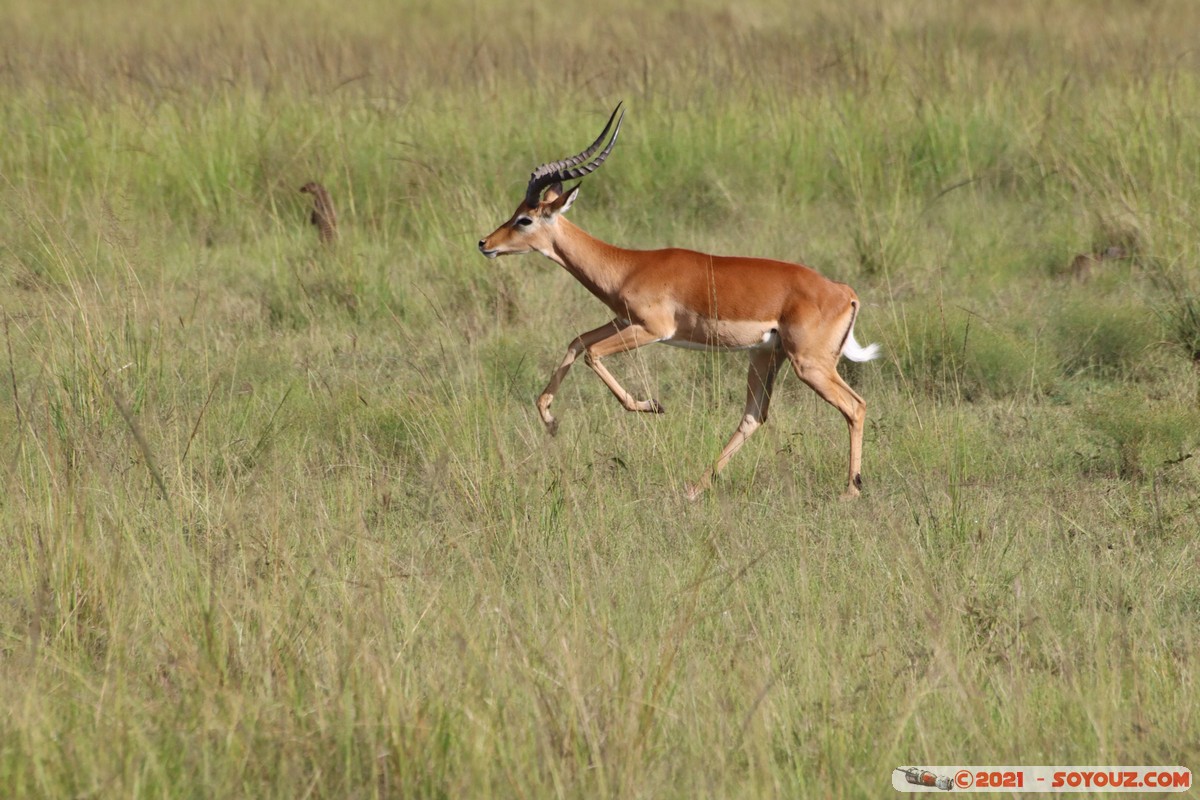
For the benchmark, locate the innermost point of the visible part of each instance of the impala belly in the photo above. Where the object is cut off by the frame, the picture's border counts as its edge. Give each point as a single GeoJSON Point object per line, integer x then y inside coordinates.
{"type": "Point", "coordinates": [726, 335]}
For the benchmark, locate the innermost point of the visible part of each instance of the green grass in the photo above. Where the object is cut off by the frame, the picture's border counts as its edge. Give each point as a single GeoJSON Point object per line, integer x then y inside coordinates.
{"type": "Point", "coordinates": [279, 521]}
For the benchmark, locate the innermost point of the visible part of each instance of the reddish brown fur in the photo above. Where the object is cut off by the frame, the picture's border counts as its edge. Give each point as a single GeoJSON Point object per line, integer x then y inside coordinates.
{"type": "Point", "coordinates": [685, 297]}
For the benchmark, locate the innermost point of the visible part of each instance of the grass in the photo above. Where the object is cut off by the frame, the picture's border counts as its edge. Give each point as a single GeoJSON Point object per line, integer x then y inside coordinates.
{"type": "Point", "coordinates": [279, 521]}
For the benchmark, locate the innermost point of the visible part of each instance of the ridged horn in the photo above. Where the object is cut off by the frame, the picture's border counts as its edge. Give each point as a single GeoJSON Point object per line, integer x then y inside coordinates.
{"type": "Point", "coordinates": [577, 165]}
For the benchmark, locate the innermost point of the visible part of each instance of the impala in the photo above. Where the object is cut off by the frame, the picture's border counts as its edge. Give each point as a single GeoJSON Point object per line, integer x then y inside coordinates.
{"type": "Point", "coordinates": [775, 310]}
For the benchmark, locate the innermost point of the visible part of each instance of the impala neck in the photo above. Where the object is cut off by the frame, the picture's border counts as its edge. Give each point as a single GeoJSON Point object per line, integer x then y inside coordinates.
{"type": "Point", "coordinates": [599, 266]}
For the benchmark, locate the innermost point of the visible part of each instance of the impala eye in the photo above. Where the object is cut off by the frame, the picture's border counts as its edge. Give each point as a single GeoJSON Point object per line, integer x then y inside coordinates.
{"type": "Point", "coordinates": [524, 221]}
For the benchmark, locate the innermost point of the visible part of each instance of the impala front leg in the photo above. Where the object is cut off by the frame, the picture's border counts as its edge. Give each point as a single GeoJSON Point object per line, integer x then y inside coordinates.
{"type": "Point", "coordinates": [625, 339]}
{"type": "Point", "coordinates": [616, 330]}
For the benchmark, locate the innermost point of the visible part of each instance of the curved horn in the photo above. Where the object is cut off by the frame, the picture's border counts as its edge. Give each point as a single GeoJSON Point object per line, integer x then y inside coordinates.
{"type": "Point", "coordinates": [576, 166]}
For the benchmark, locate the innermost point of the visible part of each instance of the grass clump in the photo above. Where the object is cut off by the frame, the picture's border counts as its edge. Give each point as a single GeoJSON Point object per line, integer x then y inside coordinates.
{"type": "Point", "coordinates": [1138, 439]}
{"type": "Point", "coordinates": [1111, 337]}
{"type": "Point", "coordinates": [957, 355]}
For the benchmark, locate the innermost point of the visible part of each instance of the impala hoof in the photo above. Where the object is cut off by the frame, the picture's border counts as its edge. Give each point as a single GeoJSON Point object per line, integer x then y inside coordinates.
{"type": "Point", "coordinates": [852, 491]}
{"type": "Point", "coordinates": [655, 407]}
{"type": "Point", "coordinates": [692, 491]}
{"type": "Point", "coordinates": [551, 426]}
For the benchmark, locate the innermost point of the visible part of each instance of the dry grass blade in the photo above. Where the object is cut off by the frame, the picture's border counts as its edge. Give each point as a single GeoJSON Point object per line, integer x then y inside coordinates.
{"type": "Point", "coordinates": [138, 438]}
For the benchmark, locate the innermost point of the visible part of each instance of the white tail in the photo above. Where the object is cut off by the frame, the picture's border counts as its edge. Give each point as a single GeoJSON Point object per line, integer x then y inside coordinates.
{"type": "Point", "coordinates": [856, 352]}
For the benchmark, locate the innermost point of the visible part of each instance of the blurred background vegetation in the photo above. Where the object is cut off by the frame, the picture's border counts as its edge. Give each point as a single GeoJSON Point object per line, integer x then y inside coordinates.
{"type": "Point", "coordinates": [280, 520]}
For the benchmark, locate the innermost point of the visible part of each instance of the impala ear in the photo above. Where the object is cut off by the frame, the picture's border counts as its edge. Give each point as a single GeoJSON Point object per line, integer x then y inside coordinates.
{"type": "Point", "coordinates": [562, 202]}
{"type": "Point", "coordinates": [553, 192]}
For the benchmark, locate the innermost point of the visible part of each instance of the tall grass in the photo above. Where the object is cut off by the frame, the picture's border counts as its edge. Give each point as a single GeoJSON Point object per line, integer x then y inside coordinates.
{"type": "Point", "coordinates": [280, 521]}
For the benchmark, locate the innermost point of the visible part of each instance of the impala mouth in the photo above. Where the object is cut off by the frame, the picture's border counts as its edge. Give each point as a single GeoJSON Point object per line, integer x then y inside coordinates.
{"type": "Point", "coordinates": [488, 253]}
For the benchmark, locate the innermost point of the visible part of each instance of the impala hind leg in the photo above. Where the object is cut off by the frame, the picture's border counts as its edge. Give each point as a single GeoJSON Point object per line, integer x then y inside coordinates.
{"type": "Point", "coordinates": [621, 334]}
{"type": "Point", "coordinates": [764, 366]}
{"type": "Point", "coordinates": [826, 382]}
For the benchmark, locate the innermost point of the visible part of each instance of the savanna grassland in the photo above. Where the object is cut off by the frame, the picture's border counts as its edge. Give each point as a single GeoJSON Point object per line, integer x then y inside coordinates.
{"type": "Point", "coordinates": [280, 520]}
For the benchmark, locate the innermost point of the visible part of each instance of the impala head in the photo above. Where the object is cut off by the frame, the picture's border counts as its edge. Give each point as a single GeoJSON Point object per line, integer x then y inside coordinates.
{"type": "Point", "coordinates": [531, 226]}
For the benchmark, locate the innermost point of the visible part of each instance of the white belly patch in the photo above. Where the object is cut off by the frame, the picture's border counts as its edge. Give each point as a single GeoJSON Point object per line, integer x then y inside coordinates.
{"type": "Point", "coordinates": [768, 341]}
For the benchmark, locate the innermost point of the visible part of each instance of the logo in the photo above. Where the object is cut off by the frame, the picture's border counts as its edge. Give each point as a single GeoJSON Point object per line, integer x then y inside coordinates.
{"type": "Point", "coordinates": [923, 777]}
{"type": "Point", "coordinates": [1011, 780]}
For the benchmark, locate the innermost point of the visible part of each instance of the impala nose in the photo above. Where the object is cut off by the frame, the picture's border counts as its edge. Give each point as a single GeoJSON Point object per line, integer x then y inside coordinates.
{"type": "Point", "coordinates": [481, 247]}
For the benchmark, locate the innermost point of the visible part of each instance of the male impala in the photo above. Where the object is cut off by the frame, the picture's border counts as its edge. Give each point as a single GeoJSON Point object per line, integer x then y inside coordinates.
{"type": "Point", "coordinates": [776, 310]}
